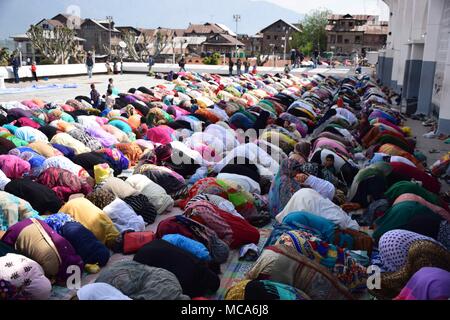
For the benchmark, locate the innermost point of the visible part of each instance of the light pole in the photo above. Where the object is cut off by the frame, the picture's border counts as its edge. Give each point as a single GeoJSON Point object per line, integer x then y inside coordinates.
{"type": "Point", "coordinates": [237, 19]}
{"type": "Point", "coordinates": [110, 19]}
{"type": "Point", "coordinates": [273, 54]}
{"type": "Point", "coordinates": [286, 38]}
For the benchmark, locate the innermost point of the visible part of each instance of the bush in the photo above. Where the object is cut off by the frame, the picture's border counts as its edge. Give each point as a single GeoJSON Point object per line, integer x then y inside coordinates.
{"type": "Point", "coordinates": [5, 57]}
{"type": "Point", "coordinates": [214, 59]}
{"type": "Point", "coordinates": [46, 60]}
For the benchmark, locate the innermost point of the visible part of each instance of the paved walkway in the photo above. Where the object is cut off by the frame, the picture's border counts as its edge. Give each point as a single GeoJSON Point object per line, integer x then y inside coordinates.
{"type": "Point", "coordinates": [425, 145]}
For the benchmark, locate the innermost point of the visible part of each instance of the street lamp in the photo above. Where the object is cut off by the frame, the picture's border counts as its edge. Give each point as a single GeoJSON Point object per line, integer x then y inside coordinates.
{"type": "Point", "coordinates": [285, 43]}
{"type": "Point", "coordinates": [237, 19]}
{"type": "Point", "coordinates": [110, 19]}
{"type": "Point", "coordinates": [273, 54]}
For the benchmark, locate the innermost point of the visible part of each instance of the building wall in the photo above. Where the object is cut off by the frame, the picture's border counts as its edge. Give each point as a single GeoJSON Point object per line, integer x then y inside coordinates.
{"type": "Point", "coordinates": [274, 35]}
{"type": "Point", "coordinates": [96, 38]}
{"type": "Point", "coordinates": [419, 50]}
{"type": "Point", "coordinates": [345, 42]}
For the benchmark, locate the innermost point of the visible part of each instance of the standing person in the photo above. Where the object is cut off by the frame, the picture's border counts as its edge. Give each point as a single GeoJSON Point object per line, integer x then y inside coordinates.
{"type": "Point", "coordinates": [230, 66]}
{"type": "Point", "coordinates": [16, 65]}
{"type": "Point", "coordinates": [238, 67]}
{"type": "Point", "coordinates": [301, 58]}
{"type": "Point", "coordinates": [115, 65]}
{"type": "Point", "coordinates": [89, 64]}
{"type": "Point", "coordinates": [151, 62]}
{"type": "Point", "coordinates": [255, 67]}
{"type": "Point", "coordinates": [293, 58]}
{"type": "Point", "coordinates": [182, 64]}
{"type": "Point", "coordinates": [246, 66]}
{"type": "Point", "coordinates": [316, 57]}
{"type": "Point", "coordinates": [33, 71]}
{"type": "Point", "coordinates": [95, 96]}
{"type": "Point", "coordinates": [108, 67]}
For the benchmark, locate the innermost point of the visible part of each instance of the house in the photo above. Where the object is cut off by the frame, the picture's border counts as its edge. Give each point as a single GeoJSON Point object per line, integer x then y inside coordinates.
{"type": "Point", "coordinates": [100, 36]}
{"type": "Point", "coordinates": [222, 43]}
{"type": "Point", "coordinates": [23, 44]}
{"type": "Point", "coordinates": [276, 37]}
{"type": "Point", "coordinates": [206, 30]}
{"type": "Point", "coordinates": [252, 44]}
{"type": "Point", "coordinates": [347, 34]}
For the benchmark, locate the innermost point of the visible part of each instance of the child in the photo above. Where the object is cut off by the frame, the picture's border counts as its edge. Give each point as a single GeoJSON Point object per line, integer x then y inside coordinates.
{"type": "Point", "coordinates": [254, 69]}
{"type": "Point", "coordinates": [110, 100]}
{"type": "Point", "coordinates": [33, 71]}
{"type": "Point", "coordinates": [95, 96]}
{"type": "Point", "coordinates": [287, 69]}
{"type": "Point", "coordinates": [108, 67]}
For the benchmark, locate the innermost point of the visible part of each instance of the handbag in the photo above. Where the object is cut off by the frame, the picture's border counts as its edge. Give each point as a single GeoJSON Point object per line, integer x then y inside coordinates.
{"type": "Point", "coordinates": [133, 241]}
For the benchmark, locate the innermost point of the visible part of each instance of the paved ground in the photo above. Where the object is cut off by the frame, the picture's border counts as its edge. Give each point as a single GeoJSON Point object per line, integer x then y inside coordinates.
{"type": "Point", "coordinates": [122, 82]}
{"type": "Point", "coordinates": [426, 145]}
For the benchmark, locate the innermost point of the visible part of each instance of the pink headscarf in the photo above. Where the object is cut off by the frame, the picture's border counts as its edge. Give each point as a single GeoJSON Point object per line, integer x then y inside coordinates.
{"type": "Point", "coordinates": [13, 166]}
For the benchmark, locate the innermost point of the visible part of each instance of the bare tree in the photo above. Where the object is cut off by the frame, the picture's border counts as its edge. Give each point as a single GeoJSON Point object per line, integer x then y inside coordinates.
{"type": "Point", "coordinates": [130, 39]}
{"type": "Point", "coordinates": [58, 44]}
{"type": "Point", "coordinates": [159, 43]}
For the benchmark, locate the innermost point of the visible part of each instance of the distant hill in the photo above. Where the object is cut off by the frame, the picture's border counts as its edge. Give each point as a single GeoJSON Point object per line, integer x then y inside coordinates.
{"type": "Point", "coordinates": [17, 15]}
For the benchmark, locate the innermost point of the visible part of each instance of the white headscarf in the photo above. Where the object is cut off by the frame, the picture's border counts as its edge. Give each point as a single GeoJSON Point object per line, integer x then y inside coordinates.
{"type": "Point", "coordinates": [100, 291]}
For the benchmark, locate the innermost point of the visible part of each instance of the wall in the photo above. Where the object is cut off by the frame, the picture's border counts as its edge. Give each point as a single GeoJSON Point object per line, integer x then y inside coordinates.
{"type": "Point", "coordinates": [55, 70]}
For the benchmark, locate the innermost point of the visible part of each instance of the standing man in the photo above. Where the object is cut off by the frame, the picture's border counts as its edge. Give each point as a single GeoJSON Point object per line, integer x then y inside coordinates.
{"type": "Point", "coordinates": [16, 65]}
{"type": "Point", "coordinates": [238, 67]}
{"type": "Point", "coordinates": [293, 58]}
{"type": "Point", "coordinates": [316, 58]}
{"type": "Point", "coordinates": [89, 64]}
{"type": "Point", "coordinates": [230, 66]}
{"type": "Point", "coordinates": [182, 64]}
{"type": "Point", "coordinates": [246, 66]}
{"type": "Point", "coordinates": [301, 58]}
{"type": "Point", "coordinates": [151, 62]}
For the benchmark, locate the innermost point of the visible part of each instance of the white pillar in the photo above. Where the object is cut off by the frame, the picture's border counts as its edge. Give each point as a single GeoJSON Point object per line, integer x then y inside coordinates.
{"type": "Point", "coordinates": [444, 103]}
{"type": "Point", "coordinates": [431, 39]}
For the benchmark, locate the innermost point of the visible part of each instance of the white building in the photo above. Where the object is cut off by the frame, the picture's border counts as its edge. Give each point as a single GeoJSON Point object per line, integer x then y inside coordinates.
{"type": "Point", "coordinates": [416, 61]}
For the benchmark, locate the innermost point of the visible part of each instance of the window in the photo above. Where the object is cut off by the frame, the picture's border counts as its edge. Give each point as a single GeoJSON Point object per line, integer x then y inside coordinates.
{"type": "Point", "coordinates": [45, 26]}
{"type": "Point", "coordinates": [332, 39]}
{"type": "Point", "coordinates": [342, 23]}
{"type": "Point", "coordinates": [276, 37]}
{"type": "Point", "coordinates": [346, 41]}
{"type": "Point", "coordinates": [339, 39]}
{"type": "Point", "coordinates": [357, 39]}
{"type": "Point", "coordinates": [268, 37]}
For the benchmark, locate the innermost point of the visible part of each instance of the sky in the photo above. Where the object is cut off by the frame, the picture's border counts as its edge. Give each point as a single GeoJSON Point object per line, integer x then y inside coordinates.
{"type": "Point", "coordinates": [17, 15]}
{"type": "Point", "coordinates": [375, 7]}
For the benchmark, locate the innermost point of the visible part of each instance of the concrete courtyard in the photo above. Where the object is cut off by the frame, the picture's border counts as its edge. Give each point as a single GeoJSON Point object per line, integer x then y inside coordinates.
{"type": "Point", "coordinates": [121, 82]}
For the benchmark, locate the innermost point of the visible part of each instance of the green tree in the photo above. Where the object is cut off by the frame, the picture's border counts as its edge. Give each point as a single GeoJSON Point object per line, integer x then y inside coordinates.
{"type": "Point", "coordinates": [314, 34]}
{"type": "Point", "coordinates": [214, 59]}
{"type": "Point", "coordinates": [5, 57]}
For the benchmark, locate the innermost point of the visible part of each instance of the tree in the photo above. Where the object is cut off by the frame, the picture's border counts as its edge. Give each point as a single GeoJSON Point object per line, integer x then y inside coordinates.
{"type": "Point", "coordinates": [314, 34]}
{"type": "Point", "coordinates": [130, 39]}
{"type": "Point", "coordinates": [158, 43]}
{"type": "Point", "coordinates": [5, 57]}
{"type": "Point", "coordinates": [213, 59]}
{"type": "Point", "coordinates": [56, 45]}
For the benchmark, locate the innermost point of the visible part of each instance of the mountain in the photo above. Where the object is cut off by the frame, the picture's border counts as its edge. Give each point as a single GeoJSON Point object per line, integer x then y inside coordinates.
{"type": "Point", "coordinates": [16, 18]}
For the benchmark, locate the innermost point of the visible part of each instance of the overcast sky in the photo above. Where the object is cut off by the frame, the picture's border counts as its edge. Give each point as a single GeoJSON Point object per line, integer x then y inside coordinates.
{"type": "Point", "coordinates": [374, 7]}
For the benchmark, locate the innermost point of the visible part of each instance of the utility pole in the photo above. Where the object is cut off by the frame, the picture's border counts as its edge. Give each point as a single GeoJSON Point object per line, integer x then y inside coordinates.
{"type": "Point", "coordinates": [237, 19]}
{"type": "Point", "coordinates": [110, 19]}
{"type": "Point", "coordinates": [285, 44]}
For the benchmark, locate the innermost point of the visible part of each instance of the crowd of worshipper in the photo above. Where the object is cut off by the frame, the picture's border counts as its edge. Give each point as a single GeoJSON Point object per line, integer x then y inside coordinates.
{"type": "Point", "coordinates": [330, 168]}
